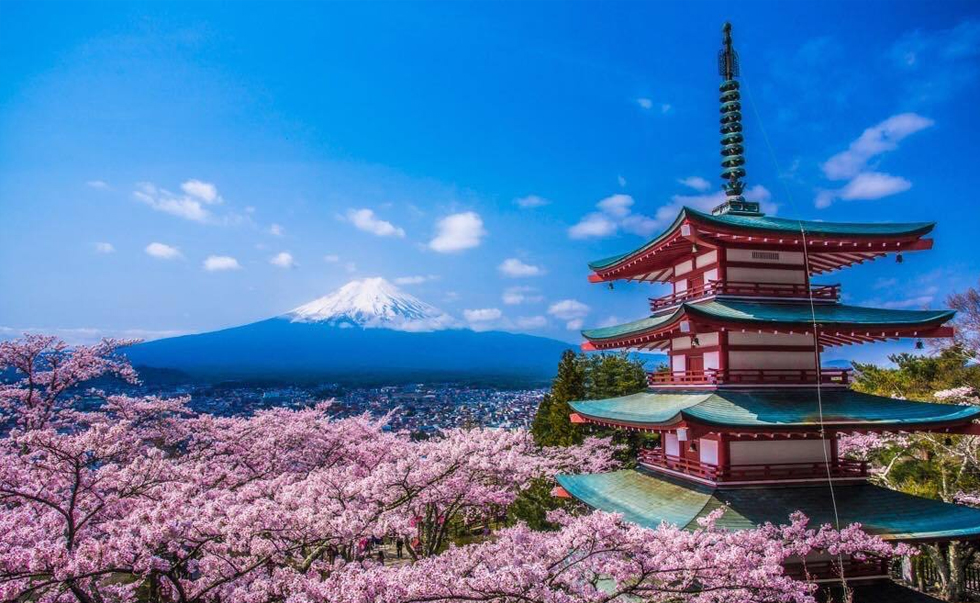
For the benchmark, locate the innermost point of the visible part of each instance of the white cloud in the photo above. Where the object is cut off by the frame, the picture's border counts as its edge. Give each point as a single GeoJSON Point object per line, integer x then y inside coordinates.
{"type": "Point", "coordinates": [99, 184]}
{"type": "Point", "coordinates": [592, 225]}
{"type": "Point", "coordinates": [364, 219]}
{"type": "Point", "coordinates": [513, 296]}
{"type": "Point", "coordinates": [568, 309]}
{"type": "Point", "coordinates": [575, 324]}
{"type": "Point", "coordinates": [515, 268]}
{"type": "Point", "coordinates": [616, 213]}
{"type": "Point", "coordinates": [532, 322]}
{"type": "Point", "coordinates": [696, 182]}
{"type": "Point", "coordinates": [415, 280]}
{"type": "Point", "coordinates": [482, 315]}
{"type": "Point", "coordinates": [917, 302]}
{"type": "Point", "coordinates": [350, 267]}
{"type": "Point", "coordinates": [205, 191]}
{"type": "Point", "coordinates": [331, 258]}
{"type": "Point", "coordinates": [874, 141]}
{"type": "Point", "coordinates": [610, 321]}
{"type": "Point", "coordinates": [874, 185]}
{"type": "Point", "coordinates": [531, 201]}
{"type": "Point", "coordinates": [163, 251]}
{"type": "Point", "coordinates": [276, 230]}
{"type": "Point", "coordinates": [617, 206]}
{"type": "Point", "coordinates": [215, 263]}
{"type": "Point", "coordinates": [644, 103]}
{"type": "Point", "coordinates": [666, 108]}
{"type": "Point", "coordinates": [283, 259]}
{"type": "Point", "coordinates": [103, 247]}
{"type": "Point", "coordinates": [457, 232]}
{"type": "Point", "coordinates": [190, 206]}
{"type": "Point", "coordinates": [621, 180]}
{"type": "Point", "coordinates": [709, 201]}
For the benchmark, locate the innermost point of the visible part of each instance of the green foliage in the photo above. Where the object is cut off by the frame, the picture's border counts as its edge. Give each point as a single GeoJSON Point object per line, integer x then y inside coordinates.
{"type": "Point", "coordinates": [533, 504]}
{"type": "Point", "coordinates": [579, 377]}
{"type": "Point", "coordinates": [582, 377]}
{"type": "Point", "coordinates": [918, 376]}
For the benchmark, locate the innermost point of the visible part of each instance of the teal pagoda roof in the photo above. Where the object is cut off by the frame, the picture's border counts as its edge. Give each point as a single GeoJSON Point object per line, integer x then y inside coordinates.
{"type": "Point", "coordinates": [774, 313]}
{"type": "Point", "coordinates": [647, 499]}
{"type": "Point", "coordinates": [763, 224]}
{"type": "Point", "coordinates": [795, 408]}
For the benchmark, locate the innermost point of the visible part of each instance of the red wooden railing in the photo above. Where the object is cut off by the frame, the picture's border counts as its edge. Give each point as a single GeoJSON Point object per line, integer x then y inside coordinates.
{"type": "Point", "coordinates": [828, 376]}
{"type": "Point", "coordinates": [743, 289]}
{"type": "Point", "coordinates": [824, 570]}
{"type": "Point", "coordinates": [842, 468]}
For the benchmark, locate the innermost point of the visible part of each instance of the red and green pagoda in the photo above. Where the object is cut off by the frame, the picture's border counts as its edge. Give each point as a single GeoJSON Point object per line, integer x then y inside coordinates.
{"type": "Point", "coordinates": [746, 414]}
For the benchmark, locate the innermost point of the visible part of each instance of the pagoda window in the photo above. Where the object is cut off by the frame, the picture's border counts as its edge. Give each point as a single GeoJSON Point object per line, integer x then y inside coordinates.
{"type": "Point", "coordinates": [672, 446]}
{"type": "Point", "coordinates": [709, 451]}
{"type": "Point", "coordinates": [779, 451]}
{"type": "Point", "coordinates": [706, 259]}
{"type": "Point", "coordinates": [755, 359]}
{"type": "Point", "coordinates": [684, 267]}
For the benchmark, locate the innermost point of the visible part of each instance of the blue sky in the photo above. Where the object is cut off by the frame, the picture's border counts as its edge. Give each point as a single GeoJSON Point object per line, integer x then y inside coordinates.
{"type": "Point", "coordinates": [184, 167]}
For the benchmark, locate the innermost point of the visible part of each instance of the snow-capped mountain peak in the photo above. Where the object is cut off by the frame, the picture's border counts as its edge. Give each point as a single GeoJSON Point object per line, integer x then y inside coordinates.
{"type": "Point", "coordinates": [373, 303]}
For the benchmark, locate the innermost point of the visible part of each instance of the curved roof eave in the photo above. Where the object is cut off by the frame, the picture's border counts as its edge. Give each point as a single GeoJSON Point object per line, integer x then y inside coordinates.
{"type": "Point", "coordinates": [776, 226]}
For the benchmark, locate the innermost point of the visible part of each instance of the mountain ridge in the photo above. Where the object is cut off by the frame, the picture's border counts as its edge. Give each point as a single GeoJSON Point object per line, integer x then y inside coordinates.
{"type": "Point", "coordinates": [351, 339]}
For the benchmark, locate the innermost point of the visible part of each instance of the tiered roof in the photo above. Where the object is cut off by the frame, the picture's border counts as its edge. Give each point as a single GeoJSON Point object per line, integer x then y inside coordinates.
{"type": "Point", "coordinates": [768, 409]}
{"type": "Point", "coordinates": [727, 405]}
{"type": "Point", "coordinates": [831, 245]}
{"type": "Point", "coordinates": [835, 322]}
{"type": "Point", "coordinates": [648, 500]}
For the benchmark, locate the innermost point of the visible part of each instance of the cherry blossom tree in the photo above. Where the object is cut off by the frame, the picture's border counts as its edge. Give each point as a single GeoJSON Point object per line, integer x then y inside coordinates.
{"type": "Point", "coordinates": [143, 499]}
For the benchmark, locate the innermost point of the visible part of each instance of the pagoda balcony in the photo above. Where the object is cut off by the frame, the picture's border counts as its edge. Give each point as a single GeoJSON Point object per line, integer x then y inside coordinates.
{"type": "Point", "coordinates": [747, 377]}
{"type": "Point", "coordinates": [756, 472]}
{"type": "Point", "coordinates": [822, 293]}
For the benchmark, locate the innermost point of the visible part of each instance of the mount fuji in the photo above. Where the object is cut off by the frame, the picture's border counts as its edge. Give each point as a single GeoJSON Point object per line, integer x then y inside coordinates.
{"type": "Point", "coordinates": [366, 332]}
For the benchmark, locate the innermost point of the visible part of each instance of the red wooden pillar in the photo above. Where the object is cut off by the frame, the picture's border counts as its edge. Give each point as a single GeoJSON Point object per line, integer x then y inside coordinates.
{"type": "Point", "coordinates": [723, 454]}
{"type": "Point", "coordinates": [834, 452]}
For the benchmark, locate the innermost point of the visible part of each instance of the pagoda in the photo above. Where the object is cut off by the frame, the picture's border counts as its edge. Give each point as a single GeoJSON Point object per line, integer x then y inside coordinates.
{"type": "Point", "coordinates": [746, 414]}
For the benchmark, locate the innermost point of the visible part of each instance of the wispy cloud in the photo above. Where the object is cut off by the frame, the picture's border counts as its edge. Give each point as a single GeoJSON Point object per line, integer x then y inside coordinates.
{"type": "Point", "coordinates": [163, 251]}
{"type": "Point", "coordinates": [514, 268]}
{"type": "Point", "coordinates": [103, 247]}
{"type": "Point", "coordinates": [219, 263]}
{"type": "Point", "coordinates": [415, 280]}
{"type": "Point", "coordinates": [696, 182]}
{"type": "Point", "coordinates": [193, 204]}
{"type": "Point", "coordinates": [276, 230]}
{"type": "Point", "coordinates": [458, 232]}
{"type": "Point", "coordinates": [532, 322]}
{"type": "Point", "coordinates": [482, 314]}
{"type": "Point", "coordinates": [531, 201]}
{"type": "Point", "coordinates": [708, 201]}
{"type": "Point", "coordinates": [616, 213]}
{"type": "Point", "coordinates": [854, 164]}
{"type": "Point", "coordinates": [513, 296]}
{"type": "Point", "coordinates": [87, 335]}
{"type": "Point", "coordinates": [283, 259]}
{"type": "Point", "coordinates": [366, 220]}
{"type": "Point", "coordinates": [644, 103]}
{"type": "Point", "coordinates": [99, 184]}
{"type": "Point", "coordinates": [570, 310]}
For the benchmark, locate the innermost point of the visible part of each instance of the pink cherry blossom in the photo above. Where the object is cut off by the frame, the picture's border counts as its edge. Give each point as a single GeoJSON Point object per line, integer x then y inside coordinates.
{"type": "Point", "coordinates": [144, 499]}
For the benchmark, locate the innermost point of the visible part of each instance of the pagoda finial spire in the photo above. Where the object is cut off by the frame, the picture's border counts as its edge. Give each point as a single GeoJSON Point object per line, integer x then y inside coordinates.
{"type": "Point", "coordinates": [732, 160]}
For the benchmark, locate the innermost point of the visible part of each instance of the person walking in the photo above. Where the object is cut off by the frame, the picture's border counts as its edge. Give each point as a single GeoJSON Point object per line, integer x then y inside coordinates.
{"type": "Point", "coordinates": [399, 545]}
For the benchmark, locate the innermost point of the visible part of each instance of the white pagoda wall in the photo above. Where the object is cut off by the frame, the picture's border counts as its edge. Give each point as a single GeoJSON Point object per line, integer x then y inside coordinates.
{"type": "Point", "coordinates": [763, 274]}
{"type": "Point", "coordinates": [778, 451]}
{"type": "Point", "coordinates": [774, 358]}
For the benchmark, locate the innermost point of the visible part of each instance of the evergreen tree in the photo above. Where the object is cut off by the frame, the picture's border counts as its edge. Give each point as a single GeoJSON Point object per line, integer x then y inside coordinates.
{"type": "Point", "coordinates": [552, 426]}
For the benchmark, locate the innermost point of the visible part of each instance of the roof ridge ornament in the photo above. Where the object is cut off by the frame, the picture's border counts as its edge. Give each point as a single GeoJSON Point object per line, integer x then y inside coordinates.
{"type": "Point", "coordinates": [732, 160]}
